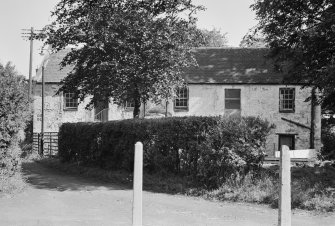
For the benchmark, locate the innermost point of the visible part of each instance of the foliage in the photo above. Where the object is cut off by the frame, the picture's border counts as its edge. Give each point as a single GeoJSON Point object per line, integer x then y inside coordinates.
{"type": "Point", "coordinates": [213, 38]}
{"type": "Point", "coordinates": [234, 145]}
{"type": "Point", "coordinates": [188, 146]}
{"type": "Point", "coordinates": [328, 139]}
{"type": "Point", "coordinates": [301, 35]}
{"type": "Point", "coordinates": [127, 50]}
{"type": "Point", "coordinates": [13, 104]}
{"type": "Point", "coordinates": [311, 189]}
{"type": "Point", "coordinates": [13, 184]}
{"type": "Point", "coordinates": [13, 114]}
{"type": "Point", "coordinates": [254, 38]}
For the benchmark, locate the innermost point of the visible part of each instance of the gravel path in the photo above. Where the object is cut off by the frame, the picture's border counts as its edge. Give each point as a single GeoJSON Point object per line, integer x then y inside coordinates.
{"type": "Point", "coordinates": [54, 198]}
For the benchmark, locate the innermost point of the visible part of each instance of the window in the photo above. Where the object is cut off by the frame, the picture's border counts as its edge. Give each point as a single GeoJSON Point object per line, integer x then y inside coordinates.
{"type": "Point", "coordinates": [70, 103]}
{"type": "Point", "coordinates": [286, 139]}
{"type": "Point", "coordinates": [181, 101]}
{"type": "Point", "coordinates": [129, 104]}
{"type": "Point", "coordinates": [233, 98]}
{"type": "Point", "coordinates": [286, 100]}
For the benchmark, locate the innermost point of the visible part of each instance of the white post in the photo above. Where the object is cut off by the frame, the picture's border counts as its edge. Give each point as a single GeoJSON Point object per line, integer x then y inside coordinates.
{"type": "Point", "coordinates": [284, 216]}
{"type": "Point", "coordinates": [138, 178]}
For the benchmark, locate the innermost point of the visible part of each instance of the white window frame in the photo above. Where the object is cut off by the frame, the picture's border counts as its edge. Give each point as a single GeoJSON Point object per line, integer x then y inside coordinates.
{"type": "Point", "coordinates": [182, 97]}
{"type": "Point", "coordinates": [70, 103]}
{"type": "Point", "coordinates": [287, 100]}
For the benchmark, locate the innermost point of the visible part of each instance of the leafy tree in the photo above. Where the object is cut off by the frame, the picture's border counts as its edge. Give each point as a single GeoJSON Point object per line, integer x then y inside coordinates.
{"type": "Point", "coordinates": [14, 112]}
{"type": "Point", "coordinates": [254, 38]}
{"type": "Point", "coordinates": [13, 104]}
{"type": "Point", "coordinates": [127, 50]}
{"type": "Point", "coordinates": [301, 35]}
{"type": "Point", "coordinates": [213, 38]}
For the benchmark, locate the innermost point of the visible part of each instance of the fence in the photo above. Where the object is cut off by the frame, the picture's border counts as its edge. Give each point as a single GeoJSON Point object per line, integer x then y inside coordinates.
{"type": "Point", "coordinates": [50, 143]}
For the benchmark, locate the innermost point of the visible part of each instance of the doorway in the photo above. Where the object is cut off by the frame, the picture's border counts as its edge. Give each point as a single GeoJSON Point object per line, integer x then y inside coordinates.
{"type": "Point", "coordinates": [288, 140]}
{"type": "Point", "coordinates": [101, 111]}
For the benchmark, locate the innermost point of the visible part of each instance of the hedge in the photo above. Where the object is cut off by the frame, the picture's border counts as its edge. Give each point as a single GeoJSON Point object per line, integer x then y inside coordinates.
{"type": "Point", "coordinates": [206, 149]}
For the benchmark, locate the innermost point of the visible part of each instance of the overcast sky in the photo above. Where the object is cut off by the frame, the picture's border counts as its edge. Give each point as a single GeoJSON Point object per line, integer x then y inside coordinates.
{"type": "Point", "coordinates": [231, 16]}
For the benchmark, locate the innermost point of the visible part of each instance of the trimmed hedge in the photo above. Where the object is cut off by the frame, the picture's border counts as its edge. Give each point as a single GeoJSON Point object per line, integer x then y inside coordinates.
{"type": "Point", "coordinates": [206, 149]}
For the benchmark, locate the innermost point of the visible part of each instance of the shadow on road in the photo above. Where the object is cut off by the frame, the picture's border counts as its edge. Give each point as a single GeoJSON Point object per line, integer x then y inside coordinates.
{"type": "Point", "coordinates": [42, 177]}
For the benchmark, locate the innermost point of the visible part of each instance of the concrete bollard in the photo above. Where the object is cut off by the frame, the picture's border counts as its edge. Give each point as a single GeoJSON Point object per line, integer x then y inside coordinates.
{"type": "Point", "coordinates": [137, 188]}
{"type": "Point", "coordinates": [284, 216]}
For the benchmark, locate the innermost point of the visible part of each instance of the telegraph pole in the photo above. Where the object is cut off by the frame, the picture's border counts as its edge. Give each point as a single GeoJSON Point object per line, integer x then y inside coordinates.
{"type": "Point", "coordinates": [31, 60]}
{"type": "Point", "coordinates": [42, 122]}
{"type": "Point", "coordinates": [30, 34]}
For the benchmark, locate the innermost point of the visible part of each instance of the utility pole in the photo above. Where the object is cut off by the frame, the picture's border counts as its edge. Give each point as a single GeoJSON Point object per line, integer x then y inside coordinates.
{"type": "Point", "coordinates": [31, 60]}
{"type": "Point", "coordinates": [42, 122]}
{"type": "Point", "coordinates": [30, 34]}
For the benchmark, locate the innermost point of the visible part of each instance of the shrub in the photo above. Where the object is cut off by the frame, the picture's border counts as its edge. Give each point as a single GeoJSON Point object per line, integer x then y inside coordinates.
{"type": "Point", "coordinates": [205, 149]}
{"type": "Point", "coordinates": [232, 146]}
{"type": "Point", "coordinates": [14, 111]}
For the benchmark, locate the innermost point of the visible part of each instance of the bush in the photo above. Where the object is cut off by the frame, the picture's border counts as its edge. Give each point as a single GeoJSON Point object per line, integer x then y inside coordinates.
{"type": "Point", "coordinates": [205, 149]}
{"type": "Point", "coordinates": [234, 146]}
{"type": "Point", "coordinates": [14, 111]}
{"type": "Point", "coordinates": [9, 161]}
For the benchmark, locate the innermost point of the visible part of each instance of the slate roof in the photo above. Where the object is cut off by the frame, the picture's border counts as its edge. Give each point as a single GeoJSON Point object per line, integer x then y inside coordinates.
{"type": "Point", "coordinates": [52, 71]}
{"type": "Point", "coordinates": [233, 66]}
{"type": "Point", "coordinates": [216, 65]}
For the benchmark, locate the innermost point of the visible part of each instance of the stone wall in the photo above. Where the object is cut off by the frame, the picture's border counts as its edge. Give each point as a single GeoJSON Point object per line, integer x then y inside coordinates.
{"type": "Point", "coordinates": [204, 100]}
{"type": "Point", "coordinates": [258, 100]}
{"type": "Point", "coordinates": [54, 111]}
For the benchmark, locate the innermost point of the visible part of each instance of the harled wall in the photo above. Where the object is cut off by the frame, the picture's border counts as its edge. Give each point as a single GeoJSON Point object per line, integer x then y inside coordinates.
{"type": "Point", "coordinates": [256, 100]}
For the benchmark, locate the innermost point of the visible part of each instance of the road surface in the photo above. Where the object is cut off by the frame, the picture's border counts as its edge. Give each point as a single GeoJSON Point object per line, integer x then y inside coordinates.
{"type": "Point", "coordinates": [55, 198]}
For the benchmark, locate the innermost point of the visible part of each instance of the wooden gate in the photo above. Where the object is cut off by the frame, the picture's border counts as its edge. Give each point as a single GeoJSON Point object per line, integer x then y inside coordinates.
{"type": "Point", "coordinates": [50, 143]}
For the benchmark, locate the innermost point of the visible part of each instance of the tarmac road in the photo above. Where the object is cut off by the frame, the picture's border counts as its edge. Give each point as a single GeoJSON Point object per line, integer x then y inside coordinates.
{"type": "Point", "coordinates": [55, 198]}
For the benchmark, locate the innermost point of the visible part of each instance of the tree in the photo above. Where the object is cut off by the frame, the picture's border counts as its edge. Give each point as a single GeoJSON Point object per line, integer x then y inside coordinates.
{"type": "Point", "coordinates": [128, 50]}
{"type": "Point", "coordinates": [14, 112]}
{"type": "Point", "coordinates": [301, 35]}
{"type": "Point", "coordinates": [213, 38]}
{"type": "Point", "coordinates": [13, 104]}
{"type": "Point", "coordinates": [254, 38]}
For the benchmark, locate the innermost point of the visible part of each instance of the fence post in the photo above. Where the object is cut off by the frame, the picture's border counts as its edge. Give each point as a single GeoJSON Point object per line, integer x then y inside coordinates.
{"type": "Point", "coordinates": [137, 188]}
{"type": "Point", "coordinates": [38, 144]}
{"type": "Point", "coordinates": [284, 216]}
{"type": "Point", "coordinates": [50, 144]}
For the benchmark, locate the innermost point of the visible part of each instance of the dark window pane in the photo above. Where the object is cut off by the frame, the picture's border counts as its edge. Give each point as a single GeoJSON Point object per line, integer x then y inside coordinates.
{"type": "Point", "coordinates": [233, 104]}
{"type": "Point", "coordinates": [232, 93]}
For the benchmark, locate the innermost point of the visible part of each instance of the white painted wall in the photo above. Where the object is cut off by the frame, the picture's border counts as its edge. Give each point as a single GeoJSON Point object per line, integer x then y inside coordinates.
{"type": "Point", "coordinates": [204, 100]}
{"type": "Point", "coordinates": [257, 100]}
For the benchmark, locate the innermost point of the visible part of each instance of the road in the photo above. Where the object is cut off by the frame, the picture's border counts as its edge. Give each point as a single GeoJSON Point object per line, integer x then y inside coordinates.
{"type": "Point", "coordinates": [55, 198]}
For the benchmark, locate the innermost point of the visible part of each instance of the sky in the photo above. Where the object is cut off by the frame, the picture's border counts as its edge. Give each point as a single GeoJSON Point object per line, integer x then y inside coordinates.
{"type": "Point", "coordinates": [231, 16]}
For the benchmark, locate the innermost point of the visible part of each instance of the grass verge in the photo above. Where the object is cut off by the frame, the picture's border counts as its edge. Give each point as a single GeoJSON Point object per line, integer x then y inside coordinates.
{"type": "Point", "coordinates": [313, 188]}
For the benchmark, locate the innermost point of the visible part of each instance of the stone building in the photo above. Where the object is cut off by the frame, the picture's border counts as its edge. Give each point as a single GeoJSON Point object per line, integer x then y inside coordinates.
{"type": "Point", "coordinates": [228, 81]}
